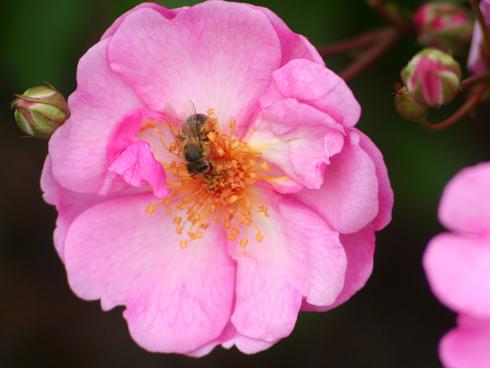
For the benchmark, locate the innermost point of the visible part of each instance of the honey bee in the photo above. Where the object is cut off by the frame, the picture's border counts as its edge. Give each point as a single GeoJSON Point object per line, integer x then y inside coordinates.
{"type": "Point", "coordinates": [192, 136]}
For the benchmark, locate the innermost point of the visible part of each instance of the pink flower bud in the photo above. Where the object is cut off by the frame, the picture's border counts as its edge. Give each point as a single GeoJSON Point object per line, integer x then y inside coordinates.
{"type": "Point", "coordinates": [432, 77]}
{"type": "Point", "coordinates": [444, 25]}
{"type": "Point", "coordinates": [40, 111]}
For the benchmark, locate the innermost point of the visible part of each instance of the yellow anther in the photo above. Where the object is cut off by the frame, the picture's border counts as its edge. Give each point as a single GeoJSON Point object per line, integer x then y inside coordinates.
{"type": "Point", "coordinates": [150, 208]}
{"type": "Point", "coordinates": [224, 194]}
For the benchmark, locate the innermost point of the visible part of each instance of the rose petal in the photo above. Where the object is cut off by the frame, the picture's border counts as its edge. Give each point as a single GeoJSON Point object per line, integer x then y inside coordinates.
{"type": "Point", "coordinates": [466, 346]}
{"type": "Point", "coordinates": [167, 13]}
{"type": "Point", "coordinates": [476, 63]}
{"type": "Point", "coordinates": [464, 205]}
{"type": "Point", "coordinates": [139, 168]}
{"type": "Point", "coordinates": [216, 55]}
{"type": "Point", "coordinates": [348, 198]}
{"type": "Point", "coordinates": [359, 248]}
{"type": "Point", "coordinates": [385, 193]}
{"type": "Point", "coordinates": [457, 270]}
{"type": "Point", "coordinates": [69, 204]}
{"type": "Point", "coordinates": [78, 148]}
{"type": "Point", "coordinates": [316, 85]}
{"type": "Point", "coordinates": [294, 46]}
{"type": "Point", "coordinates": [177, 300]}
{"type": "Point", "coordinates": [298, 139]}
{"type": "Point", "coordinates": [133, 159]}
{"type": "Point", "coordinates": [299, 257]}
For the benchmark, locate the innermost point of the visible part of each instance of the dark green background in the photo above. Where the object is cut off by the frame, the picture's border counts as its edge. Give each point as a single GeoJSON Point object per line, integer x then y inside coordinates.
{"type": "Point", "coordinates": [393, 322]}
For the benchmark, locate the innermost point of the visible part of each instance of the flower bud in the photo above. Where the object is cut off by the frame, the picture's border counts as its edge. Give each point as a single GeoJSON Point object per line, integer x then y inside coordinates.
{"type": "Point", "coordinates": [444, 25]}
{"type": "Point", "coordinates": [432, 77]}
{"type": "Point", "coordinates": [407, 107]}
{"type": "Point", "coordinates": [39, 111]}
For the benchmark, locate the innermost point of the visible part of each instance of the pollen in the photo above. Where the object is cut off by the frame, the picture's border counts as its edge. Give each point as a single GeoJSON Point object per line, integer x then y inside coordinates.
{"type": "Point", "coordinates": [225, 195]}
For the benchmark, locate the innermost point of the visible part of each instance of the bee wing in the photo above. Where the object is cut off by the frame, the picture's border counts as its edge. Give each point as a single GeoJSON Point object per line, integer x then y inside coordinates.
{"type": "Point", "coordinates": [187, 109]}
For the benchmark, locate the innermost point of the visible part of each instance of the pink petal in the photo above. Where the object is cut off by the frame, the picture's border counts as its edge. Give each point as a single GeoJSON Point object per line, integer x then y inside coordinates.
{"type": "Point", "coordinates": [69, 204]}
{"type": "Point", "coordinates": [177, 300]}
{"type": "Point", "coordinates": [300, 257]}
{"type": "Point", "coordinates": [359, 248]}
{"type": "Point", "coordinates": [229, 338]}
{"type": "Point", "coordinates": [348, 198]}
{"type": "Point", "coordinates": [134, 159]}
{"type": "Point", "coordinates": [298, 139]}
{"type": "Point", "coordinates": [476, 63]}
{"type": "Point", "coordinates": [294, 46]}
{"type": "Point", "coordinates": [385, 193]}
{"type": "Point", "coordinates": [139, 168]}
{"type": "Point", "coordinates": [318, 86]}
{"type": "Point", "coordinates": [167, 13]}
{"type": "Point", "coordinates": [464, 205]}
{"type": "Point", "coordinates": [467, 345]}
{"type": "Point", "coordinates": [216, 55]}
{"type": "Point", "coordinates": [457, 269]}
{"type": "Point", "coordinates": [78, 147]}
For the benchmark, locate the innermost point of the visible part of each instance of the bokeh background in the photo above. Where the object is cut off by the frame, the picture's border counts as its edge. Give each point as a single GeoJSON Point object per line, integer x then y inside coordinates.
{"type": "Point", "coordinates": [393, 322]}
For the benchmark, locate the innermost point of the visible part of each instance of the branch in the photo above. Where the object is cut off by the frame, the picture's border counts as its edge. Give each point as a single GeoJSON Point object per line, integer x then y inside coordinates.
{"type": "Point", "coordinates": [464, 110]}
{"type": "Point", "coordinates": [352, 44]}
{"type": "Point", "coordinates": [390, 15]}
{"type": "Point", "coordinates": [475, 80]}
{"type": "Point", "coordinates": [387, 39]}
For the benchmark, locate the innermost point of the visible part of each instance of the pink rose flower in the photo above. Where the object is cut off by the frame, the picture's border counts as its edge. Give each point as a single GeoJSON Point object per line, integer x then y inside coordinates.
{"type": "Point", "coordinates": [476, 64]}
{"type": "Point", "coordinates": [281, 218]}
{"type": "Point", "coordinates": [457, 265]}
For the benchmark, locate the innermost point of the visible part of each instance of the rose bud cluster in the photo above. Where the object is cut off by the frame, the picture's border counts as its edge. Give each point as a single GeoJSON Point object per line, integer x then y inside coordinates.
{"type": "Point", "coordinates": [431, 79]}
{"type": "Point", "coordinates": [444, 25]}
{"type": "Point", "coordinates": [39, 111]}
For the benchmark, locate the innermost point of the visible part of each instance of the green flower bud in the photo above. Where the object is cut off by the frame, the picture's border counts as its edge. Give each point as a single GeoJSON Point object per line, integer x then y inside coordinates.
{"type": "Point", "coordinates": [432, 77]}
{"type": "Point", "coordinates": [408, 108]}
{"type": "Point", "coordinates": [39, 111]}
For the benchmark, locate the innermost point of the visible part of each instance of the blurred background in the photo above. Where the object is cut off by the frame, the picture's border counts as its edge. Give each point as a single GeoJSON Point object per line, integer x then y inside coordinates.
{"type": "Point", "coordinates": [393, 322]}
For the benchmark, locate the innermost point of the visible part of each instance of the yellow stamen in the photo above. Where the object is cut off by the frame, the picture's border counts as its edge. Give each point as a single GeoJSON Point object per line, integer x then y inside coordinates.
{"type": "Point", "coordinates": [225, 194]}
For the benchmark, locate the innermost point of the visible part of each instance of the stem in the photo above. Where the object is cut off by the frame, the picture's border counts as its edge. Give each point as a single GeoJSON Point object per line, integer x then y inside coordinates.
{"type": "Point", "coordinates": [391, 17]}
{"type": "Point", "coordinates": [474, 80]}
{"type": "Point", "coordinates": [352, 44]}
{"type": "Point", "coordinates": [464, 110]}
{"type": "Point", "coordinates": [486, 33]}
{"type": "Point", "coordinates": [387, 40]}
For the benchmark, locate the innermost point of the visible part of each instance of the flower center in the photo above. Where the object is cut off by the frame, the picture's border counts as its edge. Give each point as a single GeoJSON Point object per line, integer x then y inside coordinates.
{"type": "Point", "coordinates": [222, 191]}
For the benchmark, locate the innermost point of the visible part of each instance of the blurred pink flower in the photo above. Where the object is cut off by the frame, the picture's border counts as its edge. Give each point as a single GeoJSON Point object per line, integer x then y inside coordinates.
{"type": "Point", "coordinates": [457, 265]}
{"type": "Point", "coordinates": [476, 64]}
{"type": "Point", "coordinates": [286, 220]}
